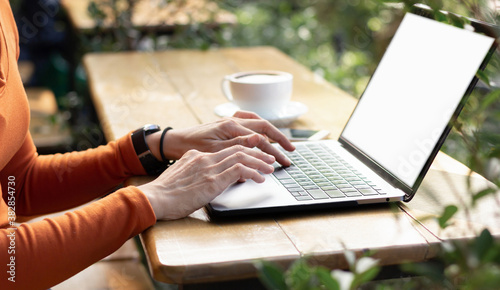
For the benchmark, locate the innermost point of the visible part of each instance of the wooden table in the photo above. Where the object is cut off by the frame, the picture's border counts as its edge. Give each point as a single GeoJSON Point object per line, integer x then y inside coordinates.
{"type": "Point", "coordinates": [181, 88]}
{"type": "Point", "coordinates": [152, 14]}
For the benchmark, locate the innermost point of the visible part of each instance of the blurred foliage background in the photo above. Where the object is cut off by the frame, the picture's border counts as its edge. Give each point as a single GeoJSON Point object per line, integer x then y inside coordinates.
{"type": "Point", "coordinates": [342, 41]}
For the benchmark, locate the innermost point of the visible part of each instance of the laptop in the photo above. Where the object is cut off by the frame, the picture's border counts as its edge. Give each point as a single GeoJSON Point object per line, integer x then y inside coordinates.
{"type": "Point", "coordinates": [393, 134]}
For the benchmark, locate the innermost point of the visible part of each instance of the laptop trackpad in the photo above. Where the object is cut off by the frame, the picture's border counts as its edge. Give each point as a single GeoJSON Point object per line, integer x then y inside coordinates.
{"type": "Point", "coordinates": [252, 195]}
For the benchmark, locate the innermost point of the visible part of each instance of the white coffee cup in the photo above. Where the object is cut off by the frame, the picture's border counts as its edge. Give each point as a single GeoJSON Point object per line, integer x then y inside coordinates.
{"type": "Point", "coordinates": [265, 92]}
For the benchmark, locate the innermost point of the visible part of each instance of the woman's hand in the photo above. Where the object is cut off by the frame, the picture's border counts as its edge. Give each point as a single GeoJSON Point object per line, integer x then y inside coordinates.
{"type": "Point", "coordinates": [197, 178]}
{"type": "Point", "coordinates": [244, 128]}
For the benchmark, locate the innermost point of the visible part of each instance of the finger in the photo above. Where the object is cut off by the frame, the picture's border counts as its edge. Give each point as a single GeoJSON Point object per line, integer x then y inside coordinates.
{"type": "Point", "coordinates": [240, 150]}
{"type": "Point", "coordinates": [239, 172]}
{"type": "Point", "coordinates": [241, 127]}
{"type": "Point", "coordinates": [246, 160]}
{"type": "Point", "coordinates": [259, 141]}
{"type": "Point", "coordinates": [229, 129]}
{"type": "Point", "coordinates": [246, 115]}
{"type": "Point", "coordinates": [241, 135]}
{"type": "Point", "coordinates": [256, 140]}
{"type": "Point", "coordinates": [265, 127]}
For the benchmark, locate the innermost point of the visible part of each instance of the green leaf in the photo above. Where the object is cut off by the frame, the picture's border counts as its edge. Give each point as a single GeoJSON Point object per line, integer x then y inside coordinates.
{"type": "Point", "coordinates": [433, 271]}
{"type": "Point", "coordinates": [367, 276]}
{"type": "Point", "coordinates": [482, 244]}
{"type": "Point", "coordinates": [489, 137]}
{"type": "Point", "coordinates": [448, 213]}
{"type": "Point", "coordinates": [455, 20]}
{"type": "Point", "coordinates": [489, 99]}
{"type": "Point", "coordinates": [494, 152]}
{"type": "Point", "coordinates": [484, 77]}
{"type": "Point", "coordinates": [492, 255]}
{"type": "Point", "coordinates": [440, 16]}
{"type": "Point", "coordinates": [482, 194]}
{"type": "Point", "coordinates": [326, 279]}
{"type": "Point", "coordinates": [271, 275]}
{"type": "Point", "coordinates": [299, 275]}
{"type": "Point", "coordinates": [435, 6]}
{"type": "Point", "coordinates": [488, 277]}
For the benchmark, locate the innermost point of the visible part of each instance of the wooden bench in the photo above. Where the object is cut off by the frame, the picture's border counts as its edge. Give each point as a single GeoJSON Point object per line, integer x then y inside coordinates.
{"type": "Point", "coordinates": [48, 128]}
{"type": "Point", "coordinates": [42, 101]}
{"type": "Point", "coordinates": [26, 69]}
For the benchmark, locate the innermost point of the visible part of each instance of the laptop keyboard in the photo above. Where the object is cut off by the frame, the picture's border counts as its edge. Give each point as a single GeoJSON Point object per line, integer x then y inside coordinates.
{"type": "Point", "coordinates": [319, 173]}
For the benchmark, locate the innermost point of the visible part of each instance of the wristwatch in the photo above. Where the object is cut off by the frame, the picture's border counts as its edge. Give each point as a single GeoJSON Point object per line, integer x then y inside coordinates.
{"type": "Point", "coordinates": [152, 165]}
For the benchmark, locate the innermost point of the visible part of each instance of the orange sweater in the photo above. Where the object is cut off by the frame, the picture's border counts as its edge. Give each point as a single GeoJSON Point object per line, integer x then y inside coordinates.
{"type": "Point", "coordinates": [42, 254]}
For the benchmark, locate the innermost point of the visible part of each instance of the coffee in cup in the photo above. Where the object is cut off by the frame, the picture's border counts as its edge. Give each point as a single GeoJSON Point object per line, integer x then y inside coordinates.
{"type": "Point", "coordinates": [264, 92]}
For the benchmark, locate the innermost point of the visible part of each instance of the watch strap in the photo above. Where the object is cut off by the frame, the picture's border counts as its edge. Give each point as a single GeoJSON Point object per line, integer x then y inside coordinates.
{"type": "Point", "coordinates": [151, 165]}
{"type": "Point", "coordinates": [162, 154]}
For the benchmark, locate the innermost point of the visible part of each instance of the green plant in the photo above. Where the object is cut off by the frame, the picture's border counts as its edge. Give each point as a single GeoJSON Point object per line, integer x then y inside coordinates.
{"type": "Point", "coordinates": [301, 275]}
{"type": "Point", "coordinates": [115, 16]}
{"type": "Point", "coordinates": [338, 40]}
{"type": "Point", "coordinates": [471, 264]}
{"type": "Point", "coordinates": [115, 29]}
{"type": "Point", "coordinates": [463, 265]}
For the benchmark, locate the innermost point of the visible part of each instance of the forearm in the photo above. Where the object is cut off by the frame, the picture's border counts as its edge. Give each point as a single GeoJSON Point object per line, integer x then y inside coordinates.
{"type": "Point", "coordinates": [52, 183]}
{"type": "Point", "coordinates": [49, 252]}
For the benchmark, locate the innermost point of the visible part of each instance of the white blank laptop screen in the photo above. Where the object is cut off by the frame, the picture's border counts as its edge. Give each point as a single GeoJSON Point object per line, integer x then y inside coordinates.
{"type": "Point", "coordinates": [415, 90]}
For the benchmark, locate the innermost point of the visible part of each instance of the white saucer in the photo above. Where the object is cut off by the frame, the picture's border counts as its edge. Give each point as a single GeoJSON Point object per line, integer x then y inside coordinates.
{"type": "Point", "coordinates": [292, 111]}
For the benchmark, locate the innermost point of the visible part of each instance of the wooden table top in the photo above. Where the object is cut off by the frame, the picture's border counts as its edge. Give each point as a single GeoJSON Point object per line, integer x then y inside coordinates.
{"type": "Point", "coordinates": [153, 15]}
{"type": "Point", "coordinates": [181, 88]}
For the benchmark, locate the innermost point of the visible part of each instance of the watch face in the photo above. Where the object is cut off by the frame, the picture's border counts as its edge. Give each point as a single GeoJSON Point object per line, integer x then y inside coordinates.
{"type": "Point", "coordinates": [151, 128]}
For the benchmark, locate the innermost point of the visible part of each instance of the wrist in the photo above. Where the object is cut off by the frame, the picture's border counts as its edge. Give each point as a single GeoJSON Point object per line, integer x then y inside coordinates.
{"type": "Point", "coordinates": [153, 141]}
{"type": "Point", "coordinates": [160, 200]}
{"type": "Point", "coordinates": [148, 191]}
{"type": "Point", "coordinates": [172, 145]}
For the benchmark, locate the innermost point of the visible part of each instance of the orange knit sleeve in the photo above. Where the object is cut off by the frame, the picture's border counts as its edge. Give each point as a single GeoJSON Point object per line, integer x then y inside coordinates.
{"type": "Point", "coordinates": [51, 183]}
{"type": "Point", "coordinates": [48, 252]}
